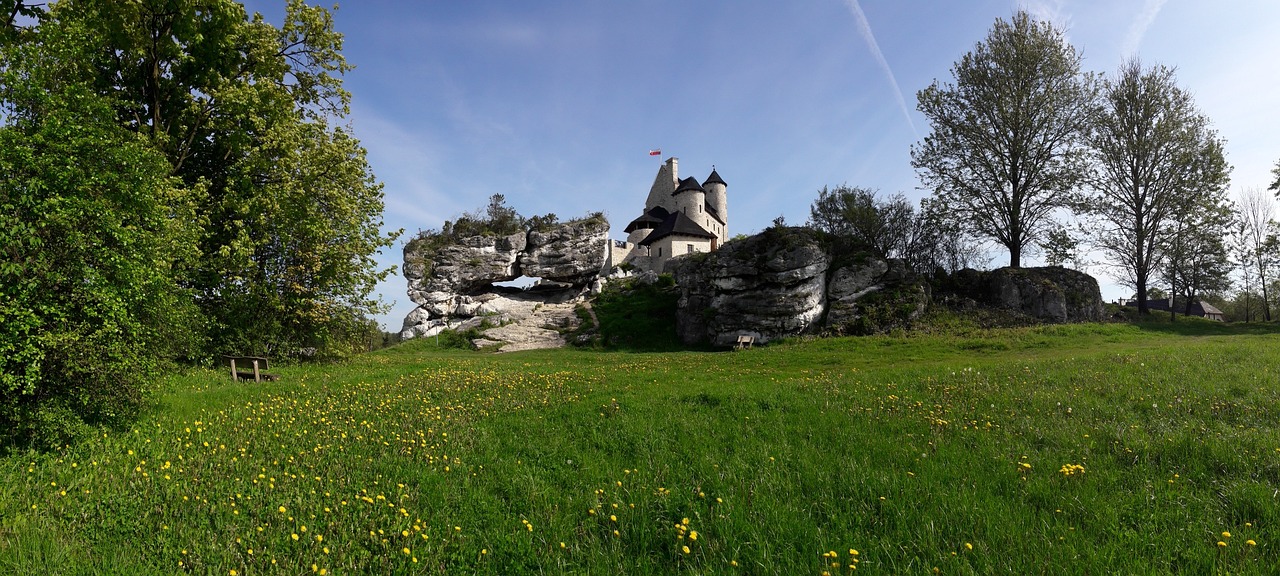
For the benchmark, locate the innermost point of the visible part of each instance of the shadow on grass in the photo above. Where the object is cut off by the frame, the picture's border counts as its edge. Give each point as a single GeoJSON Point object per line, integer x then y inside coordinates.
{"type": "Point", "coordinates": [1195, 326]}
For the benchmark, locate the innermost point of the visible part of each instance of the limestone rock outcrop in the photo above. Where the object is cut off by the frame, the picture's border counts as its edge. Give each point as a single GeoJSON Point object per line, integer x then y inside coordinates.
{"type": "Point", "coordinates": [572, 253]}
{"type": "Point", "coordinates": [1051, 293]}
{"type": "Point", "coordinates": [787, 282]}
{"type": "Point", "coordinates": [452, 280]}
{"type": "Point", "coordinates": [766, 286]}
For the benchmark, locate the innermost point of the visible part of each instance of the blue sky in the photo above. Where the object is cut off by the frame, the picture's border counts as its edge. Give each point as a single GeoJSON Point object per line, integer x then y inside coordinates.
{"type": "Point", "coordinates": [556, 103]}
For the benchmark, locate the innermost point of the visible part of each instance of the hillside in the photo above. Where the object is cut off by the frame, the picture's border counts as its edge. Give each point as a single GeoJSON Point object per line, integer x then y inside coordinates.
{"type": "Point", "coordinates": [1071, 449]}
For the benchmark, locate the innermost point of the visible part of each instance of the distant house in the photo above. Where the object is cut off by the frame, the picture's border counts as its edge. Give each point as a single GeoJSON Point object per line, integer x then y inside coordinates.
{"type": "Point", "coordinates": [1198, 308]}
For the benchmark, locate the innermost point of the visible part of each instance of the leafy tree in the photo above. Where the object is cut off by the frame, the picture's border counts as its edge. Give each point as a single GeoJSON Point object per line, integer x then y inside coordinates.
{"type": "Point", "coordinates": [242, 110]}
{"type": "Point", "coordinates": [1198, 261]}
{"type": "Point", "coordinates": [1060, 247]}
{"type": "Point", "coordinates": [92, 231]}
{"type": "Point", "coordinates": [171, 185]}
{"type": "Point", "coordinates": [882, 225]}
{"type": "Point", "coordinates": [1004, 150]}
{"type": "Point", "coordinates": [940, 243]}
{"type": "Point", "coordinates": [1256, 233]}
{"type": "Point", "coordinates": [1154, 157]}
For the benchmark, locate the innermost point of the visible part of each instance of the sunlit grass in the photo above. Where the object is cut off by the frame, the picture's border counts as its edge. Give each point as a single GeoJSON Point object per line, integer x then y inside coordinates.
{"type": "Point", "coordinates": [1088, 449]}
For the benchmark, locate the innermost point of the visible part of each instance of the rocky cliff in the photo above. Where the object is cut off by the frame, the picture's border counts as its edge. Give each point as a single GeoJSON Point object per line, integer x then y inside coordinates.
{"type": "Point", "coordinates": [787, 281]}
{"type": "Point", "coordinates": [452, 279]}
{"type": "Point", "coordinates": [1051, 293]}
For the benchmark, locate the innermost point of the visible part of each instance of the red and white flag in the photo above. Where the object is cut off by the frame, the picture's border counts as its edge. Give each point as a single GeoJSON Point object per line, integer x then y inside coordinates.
{"type": "Point", "coordinates": [657, 152]}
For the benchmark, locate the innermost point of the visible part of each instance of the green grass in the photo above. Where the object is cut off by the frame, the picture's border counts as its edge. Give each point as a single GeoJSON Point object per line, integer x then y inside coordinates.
{"type": "Point", "coordinates": [934, 451]}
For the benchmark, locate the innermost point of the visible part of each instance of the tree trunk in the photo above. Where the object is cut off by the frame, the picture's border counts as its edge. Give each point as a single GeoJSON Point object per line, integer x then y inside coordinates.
{"type": "Point", "coordinates": [1015, 256]}
{"type": "Point", "coordinates": [1141, 286]}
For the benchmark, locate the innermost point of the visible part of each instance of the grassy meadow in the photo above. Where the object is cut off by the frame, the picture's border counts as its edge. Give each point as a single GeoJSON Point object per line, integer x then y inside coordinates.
{"type": "Point", "coordinates": [1085, 449]}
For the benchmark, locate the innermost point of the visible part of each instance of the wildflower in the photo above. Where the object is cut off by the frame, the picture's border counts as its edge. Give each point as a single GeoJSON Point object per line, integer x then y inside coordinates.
{"type": "Point", "coordinates": [613, 518]}
{"type": "Point", "coordinates": [1222, 544]}
{"type": "Point", "coordinates": [294, 536]}
{"type": "Point", "coordinates": [968, 546]}
{"type": "Point", "coordinates": [684, 549]}
{"type": "Point", "coordinates": [693, 535]}
{"type": "Point", "coordinates": [1226, 534]}
{"type": "Point", "coordinates": [405, 550]}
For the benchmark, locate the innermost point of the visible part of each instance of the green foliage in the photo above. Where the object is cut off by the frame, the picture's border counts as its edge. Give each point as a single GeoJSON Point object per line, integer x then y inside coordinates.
{"type": "Point", "coordinates": [89, 305]}
{"type": "Point", "coordinates": [171, 188]}
{"type": "Point", "coordinates": [637, 316]}
{"type": "Point", "coordinates": [1157, 162]}
{"type": "Point", "coordinates": [1004, 152]}
{"type": "Point", "coordinates": [775, 456]}
{"type": "Point", "coordinates": [865, 221]}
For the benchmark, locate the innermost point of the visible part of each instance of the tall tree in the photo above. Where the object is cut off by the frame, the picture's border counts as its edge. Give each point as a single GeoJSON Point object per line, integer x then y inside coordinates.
{"type": "Point", "coordinates": [92, 231]}
{"type": "Point", "coordinates": [1198, 261]}
{"type": "Point", "coordinates": [245, 112]}
{"type": "Point", "coordinates": [1004, 150]}
{"type": "Point", "coordinates": [882, 225]}
{"type": "Point", "coordinates": [1255, 212]}
{"type": "Point", "coordinates": [1154, 156]}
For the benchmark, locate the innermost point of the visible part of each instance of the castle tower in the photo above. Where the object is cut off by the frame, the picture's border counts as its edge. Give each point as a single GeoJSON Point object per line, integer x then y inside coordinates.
{"type": "Point", "coordinates": [717, 203]}
{"type": "Point", "coordinates": [664, 184]}
{"type": "Point", "coordinates": [690, 199]}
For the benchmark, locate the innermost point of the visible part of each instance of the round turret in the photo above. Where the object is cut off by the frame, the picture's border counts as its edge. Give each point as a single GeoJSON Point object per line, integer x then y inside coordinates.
{"type": "Point", "coordinates": [717, 201]}
{"type": "Point", "coordinates": [690, 198]}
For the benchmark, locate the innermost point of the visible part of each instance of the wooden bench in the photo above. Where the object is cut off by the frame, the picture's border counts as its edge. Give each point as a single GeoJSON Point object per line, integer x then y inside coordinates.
{"type": "Point", "coordinates": [259, 364]}
{"type": "Point", "coordinates": [745, 341]}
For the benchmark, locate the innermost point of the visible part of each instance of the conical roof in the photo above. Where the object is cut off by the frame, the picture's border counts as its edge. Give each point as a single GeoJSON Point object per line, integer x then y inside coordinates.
{"type": "Point", "coordinates": [689, 184]}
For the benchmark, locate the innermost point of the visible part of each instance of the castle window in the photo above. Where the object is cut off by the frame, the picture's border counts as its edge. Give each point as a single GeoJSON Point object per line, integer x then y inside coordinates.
{"type": "Point", "coordinates": [659, 251]}
{"type": "Point", "coordinates": [691, 248]}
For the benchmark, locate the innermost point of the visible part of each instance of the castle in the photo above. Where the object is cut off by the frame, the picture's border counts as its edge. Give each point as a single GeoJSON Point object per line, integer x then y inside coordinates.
{"type": "Point", "coordinates": [680, 217]}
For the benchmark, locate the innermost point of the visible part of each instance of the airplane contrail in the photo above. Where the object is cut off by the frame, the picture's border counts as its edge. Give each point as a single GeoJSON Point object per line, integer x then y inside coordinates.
{"type": "Point", "coordinates": [864, 28]}
{"type": "Point", "coordinates": [1138, 29]}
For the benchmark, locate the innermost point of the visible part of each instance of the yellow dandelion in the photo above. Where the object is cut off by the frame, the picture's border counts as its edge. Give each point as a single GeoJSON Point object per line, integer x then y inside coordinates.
{"type": "Point", "coordinates": [693, 535]}
{"type": "Point", "coordinates": [684, 549]}
{"type": "Point", "coordinates": [294, 536]}
{"type": "Point", "coordinates": [1251, 542]}
{"type": "Point", "coordinates": [1226, 534]}
{"type": "Point", "coordinates": [1222, 544]}
{"type": "Point", "coordinates": [405, 550]}
{"type": "Point", "coordinates": [613, 518]}
{"type": "Point", "coordinates": [968, 546]}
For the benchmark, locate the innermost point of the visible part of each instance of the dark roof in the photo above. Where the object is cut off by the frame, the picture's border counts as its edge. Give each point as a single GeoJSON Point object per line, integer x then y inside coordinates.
{"type": "Point", "coordinates": [676, 225]}
{"type": "Point", "coordinates": [650, 219]}
{"type": "Point", "coordinates": [1198, 308]}
{"type": "Point", "coordinates": [687, 185]}
{"type": "Point", "coordinates": [714, 178]}
{"type": "Point", "coordinates": [712, 211]}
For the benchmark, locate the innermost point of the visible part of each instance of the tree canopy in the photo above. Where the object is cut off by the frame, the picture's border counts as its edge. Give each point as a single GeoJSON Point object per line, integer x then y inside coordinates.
{"type": "Point", "coordinates": [174, 183]}
{"type": "Point", "coordinates": [1004, 152]}
{"type": "Point", "coordinates": [1156, 162]}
